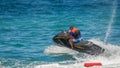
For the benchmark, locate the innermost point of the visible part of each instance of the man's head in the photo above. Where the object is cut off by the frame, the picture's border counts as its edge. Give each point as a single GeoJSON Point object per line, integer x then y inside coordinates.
{"type": "Point", "coordinates": [71, 27]}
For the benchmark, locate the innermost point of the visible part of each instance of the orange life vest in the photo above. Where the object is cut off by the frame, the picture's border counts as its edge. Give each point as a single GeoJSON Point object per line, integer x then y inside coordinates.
{"type": "Point", "coordinates": [74, 30]}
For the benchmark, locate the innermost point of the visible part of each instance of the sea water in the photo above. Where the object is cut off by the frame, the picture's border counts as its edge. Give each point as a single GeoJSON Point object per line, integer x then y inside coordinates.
{"type": "Point", "coordinates": [28, 26]}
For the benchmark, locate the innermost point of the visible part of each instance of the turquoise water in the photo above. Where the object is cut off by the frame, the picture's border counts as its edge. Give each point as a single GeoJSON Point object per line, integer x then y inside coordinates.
{"type": "Point", "coordinates": [27, 28]}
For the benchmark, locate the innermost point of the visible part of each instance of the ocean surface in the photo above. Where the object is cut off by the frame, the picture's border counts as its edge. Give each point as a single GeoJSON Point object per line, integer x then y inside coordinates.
{"type": "Point", "coordinates": [27, 28]}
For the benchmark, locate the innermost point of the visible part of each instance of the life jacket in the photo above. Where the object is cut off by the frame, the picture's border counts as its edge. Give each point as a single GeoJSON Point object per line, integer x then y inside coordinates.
{"type": "Point", "coordinates": [76, 32]}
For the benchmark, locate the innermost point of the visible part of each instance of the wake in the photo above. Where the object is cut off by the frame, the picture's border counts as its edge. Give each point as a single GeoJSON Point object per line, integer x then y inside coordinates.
{"type": "Point", "coordinates": [57, 50]}
{"type": "Point", "coordinates": [110, 58]}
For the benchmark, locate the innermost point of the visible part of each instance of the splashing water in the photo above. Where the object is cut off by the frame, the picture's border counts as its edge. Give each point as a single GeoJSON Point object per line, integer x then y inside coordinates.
{"type": "Point", "coordinates": [110, 58]}
{"type": "Point", "coordinates": [111, 20]}
{"type": "Point", "coordinates": [57, 50]}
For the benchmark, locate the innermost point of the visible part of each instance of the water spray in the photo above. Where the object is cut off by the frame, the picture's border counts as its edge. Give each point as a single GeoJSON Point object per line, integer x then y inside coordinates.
{"type": "Point", "coordinates": [111, 20]}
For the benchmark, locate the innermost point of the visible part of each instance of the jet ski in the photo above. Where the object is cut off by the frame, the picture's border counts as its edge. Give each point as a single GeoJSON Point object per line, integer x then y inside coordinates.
{"type": "Point", "coordinates": [83, 46]}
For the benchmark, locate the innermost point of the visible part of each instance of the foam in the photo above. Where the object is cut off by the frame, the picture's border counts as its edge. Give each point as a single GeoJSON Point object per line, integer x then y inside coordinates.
{"type": "Point", "coordinates": [48, 65]}
{"type": "Point", "coordinates": [111, 56]}
{"type": "Point", "coordinates": [57, 50]}
{"type": "Point", "coordinates": [56, 65]}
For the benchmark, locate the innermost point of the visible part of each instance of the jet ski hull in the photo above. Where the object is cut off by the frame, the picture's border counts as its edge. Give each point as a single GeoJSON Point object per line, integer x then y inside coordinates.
{"type": "Point", "coordinates": [83, 46]}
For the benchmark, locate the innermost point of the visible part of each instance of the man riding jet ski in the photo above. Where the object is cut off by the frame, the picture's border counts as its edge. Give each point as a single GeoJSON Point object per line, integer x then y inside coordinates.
{"type": "Point", "coordinates": [75, 35]}
{"type": "Point", "coordinates": [72, 39]}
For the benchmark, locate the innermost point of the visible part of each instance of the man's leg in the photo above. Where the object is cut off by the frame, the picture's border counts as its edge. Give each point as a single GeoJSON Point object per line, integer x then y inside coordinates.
{"type": "Point", "coordinates": [71, 42]}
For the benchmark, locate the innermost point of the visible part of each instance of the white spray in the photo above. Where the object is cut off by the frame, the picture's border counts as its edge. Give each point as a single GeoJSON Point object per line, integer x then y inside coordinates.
{"type": "Point", "coordinates": [110, 58]}
{"type": "Point", "coordinates": [111, 20]}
